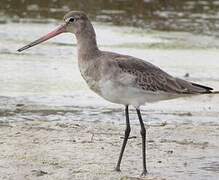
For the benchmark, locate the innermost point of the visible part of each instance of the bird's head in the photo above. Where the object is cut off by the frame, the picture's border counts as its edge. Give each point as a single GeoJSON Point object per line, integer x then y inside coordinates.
{"type": "Point", "coordinates": [74, 22]}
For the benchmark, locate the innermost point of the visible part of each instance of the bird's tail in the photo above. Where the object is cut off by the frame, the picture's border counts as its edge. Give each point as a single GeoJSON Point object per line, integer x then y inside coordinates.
{"type": "Point", "coordinates": [215, 92]}
{"type": "Point", "coordinates": [206, 88]}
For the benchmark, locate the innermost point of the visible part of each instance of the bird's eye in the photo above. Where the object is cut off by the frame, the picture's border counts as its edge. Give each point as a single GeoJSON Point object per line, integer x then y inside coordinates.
{"type": "Point", "coordinates": [72, 19]}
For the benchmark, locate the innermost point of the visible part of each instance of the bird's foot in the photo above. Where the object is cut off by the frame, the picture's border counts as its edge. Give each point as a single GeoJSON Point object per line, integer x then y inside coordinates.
{"type": "Point", "coordinates": [144, 173]}
{"type": "Point", "coordinates": [117, 169]}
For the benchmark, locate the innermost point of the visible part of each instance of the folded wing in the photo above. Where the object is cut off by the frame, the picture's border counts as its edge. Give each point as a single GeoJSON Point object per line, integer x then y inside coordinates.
{"type": "Point", "coordinates": [148, 77]}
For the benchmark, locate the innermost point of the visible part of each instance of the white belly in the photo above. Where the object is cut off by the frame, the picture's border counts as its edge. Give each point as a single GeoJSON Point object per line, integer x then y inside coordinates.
{"type": "Point", "coordinates": [121, 94]}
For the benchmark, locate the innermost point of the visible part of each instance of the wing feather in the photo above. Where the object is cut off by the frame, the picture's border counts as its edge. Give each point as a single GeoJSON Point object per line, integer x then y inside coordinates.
{"type": "Point", "coordinates": [149, 77]}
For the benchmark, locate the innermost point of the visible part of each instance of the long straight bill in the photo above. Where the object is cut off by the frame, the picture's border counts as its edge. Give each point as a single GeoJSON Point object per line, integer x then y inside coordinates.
{"type": "Point", "coordinates": [53, 33]}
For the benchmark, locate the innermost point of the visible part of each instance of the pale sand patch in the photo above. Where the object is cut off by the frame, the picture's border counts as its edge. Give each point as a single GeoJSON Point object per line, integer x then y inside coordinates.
{"type": "Point", "coordinates": [89, 150]}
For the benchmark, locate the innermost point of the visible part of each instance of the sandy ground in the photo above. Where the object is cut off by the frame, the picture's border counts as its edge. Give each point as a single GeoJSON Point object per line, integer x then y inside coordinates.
{"type": "Point", "coordinates": [89, 150]}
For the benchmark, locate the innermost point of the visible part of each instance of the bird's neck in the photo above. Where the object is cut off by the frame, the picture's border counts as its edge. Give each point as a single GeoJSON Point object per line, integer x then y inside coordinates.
{"type": "Point", "coordinates": [86, 43]}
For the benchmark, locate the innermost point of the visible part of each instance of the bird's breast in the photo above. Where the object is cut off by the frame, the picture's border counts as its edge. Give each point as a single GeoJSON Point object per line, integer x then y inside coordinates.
{"type": "Point", "coordinates": [90, 73]}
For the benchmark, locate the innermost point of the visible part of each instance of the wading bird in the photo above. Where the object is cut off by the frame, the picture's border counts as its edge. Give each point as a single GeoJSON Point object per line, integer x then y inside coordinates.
{"type": "Point", "coordinates": [120, 79]}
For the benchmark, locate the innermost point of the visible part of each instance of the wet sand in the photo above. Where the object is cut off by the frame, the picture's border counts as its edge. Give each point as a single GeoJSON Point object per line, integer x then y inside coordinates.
{"type": "Point", "coordinates": [53, 127]}
{"type": "Point", "coordinates": [89, 150]}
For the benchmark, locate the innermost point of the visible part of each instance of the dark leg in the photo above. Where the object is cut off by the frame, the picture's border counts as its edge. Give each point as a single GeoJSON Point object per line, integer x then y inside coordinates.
{"type": "Point", "coordinates": [127, 132]}
{"type": "Point", "coordinates": [143, 134]}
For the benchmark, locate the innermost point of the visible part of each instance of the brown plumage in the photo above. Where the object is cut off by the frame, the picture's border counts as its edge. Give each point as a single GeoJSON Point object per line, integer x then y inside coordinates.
{"type": "Point", "coordinates": [151, 78]}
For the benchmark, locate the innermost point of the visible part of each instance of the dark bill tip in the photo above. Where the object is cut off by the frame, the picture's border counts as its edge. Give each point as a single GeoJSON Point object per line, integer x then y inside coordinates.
{"type": "Point", "coordinates": [23, 48]}
{"type": "Point", "coordinates": [50, 35]}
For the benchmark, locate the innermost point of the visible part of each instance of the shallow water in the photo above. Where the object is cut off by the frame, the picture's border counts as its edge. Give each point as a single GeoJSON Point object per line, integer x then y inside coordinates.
{"type": "Point", "coordinates": [44, 82]}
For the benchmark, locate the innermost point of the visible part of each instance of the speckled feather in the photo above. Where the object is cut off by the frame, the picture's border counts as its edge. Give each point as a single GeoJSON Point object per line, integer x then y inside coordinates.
{"type": "Point", "coordinates": [149, 77]}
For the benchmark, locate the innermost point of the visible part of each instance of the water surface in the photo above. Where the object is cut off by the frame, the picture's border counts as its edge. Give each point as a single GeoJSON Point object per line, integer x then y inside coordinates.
{"type": "Point", "coordinates": [178, 36]}
{"type": "Point", "coordinates": [44, 84]}
{"type": "Point", "coordinates": [45, 81]}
